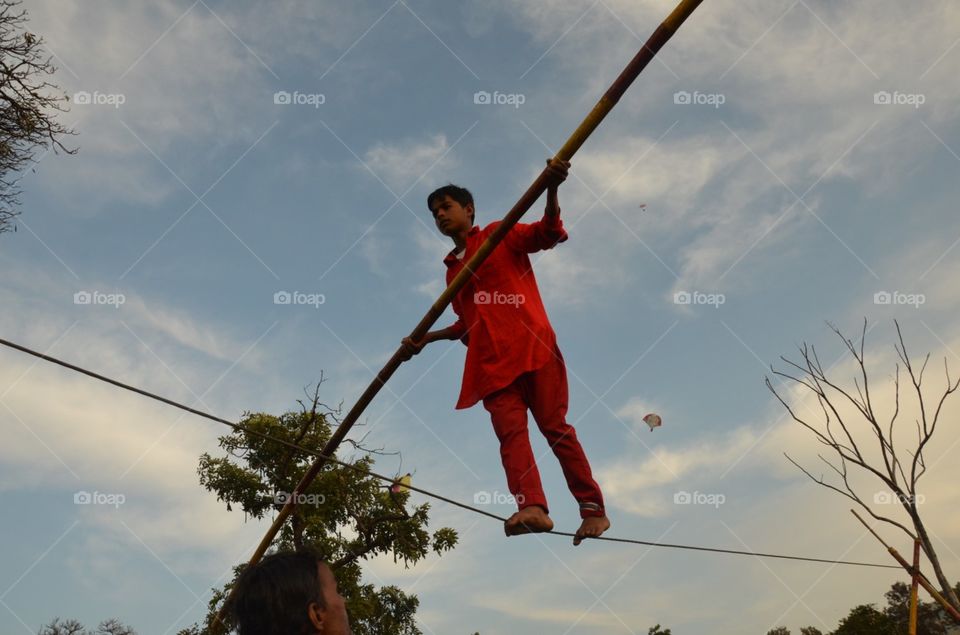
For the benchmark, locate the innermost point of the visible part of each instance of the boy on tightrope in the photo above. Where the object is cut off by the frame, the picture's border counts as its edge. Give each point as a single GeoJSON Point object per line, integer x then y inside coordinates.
{"type": "Point", "coordinates": [513, 363]}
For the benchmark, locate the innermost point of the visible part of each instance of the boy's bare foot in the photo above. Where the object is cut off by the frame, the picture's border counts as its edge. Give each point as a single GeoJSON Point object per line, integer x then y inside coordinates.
{"type": "Point", "coordinates": [591, 527]}
{"type": "Point", "coordinates": [531, 519]}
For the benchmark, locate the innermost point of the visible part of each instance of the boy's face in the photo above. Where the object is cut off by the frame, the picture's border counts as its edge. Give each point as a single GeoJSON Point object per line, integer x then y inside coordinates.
{"type": "Point", "coordinates": [451, 217]}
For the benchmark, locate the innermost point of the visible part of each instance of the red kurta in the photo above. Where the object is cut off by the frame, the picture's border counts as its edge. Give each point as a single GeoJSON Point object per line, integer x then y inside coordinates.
{"type": "Point", "coordinates": [502, 320]}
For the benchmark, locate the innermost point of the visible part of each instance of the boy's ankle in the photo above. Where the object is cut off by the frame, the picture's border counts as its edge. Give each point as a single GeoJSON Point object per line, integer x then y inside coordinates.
{"type": "Point", "coordinates": [591, 510]}
{"type": "Point", "coordinates": [535, 508]}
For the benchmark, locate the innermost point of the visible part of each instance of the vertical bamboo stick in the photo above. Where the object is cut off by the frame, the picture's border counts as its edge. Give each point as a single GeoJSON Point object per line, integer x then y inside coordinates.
{"type": "Point", "coordinates": [913, 586]}
{"type": "Point", "coordinates": [921, 579]}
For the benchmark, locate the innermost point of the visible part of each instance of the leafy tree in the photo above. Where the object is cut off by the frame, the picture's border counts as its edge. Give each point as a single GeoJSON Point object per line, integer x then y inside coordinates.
{"type": "Point", "coordinates": [655, 630]}
{"type": "Point", "coordinates": [344, 516]}
{"type": "Point", "coordinates": [73, 627]}
{"type": "Point", "coordinates": [930, 618]}
{"type": "Point", "coordinates": [805, 630]}
{"type": "Point", "coordinates": [26, 102]}
{"type": "Point", "coordinates": [866, 620]}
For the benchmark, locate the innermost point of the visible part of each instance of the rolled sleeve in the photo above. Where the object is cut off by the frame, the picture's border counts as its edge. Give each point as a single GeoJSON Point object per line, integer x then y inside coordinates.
{"type": "Point", "coordinates": [553, 229]}
{"type": "Point", "coordinates": [460, 331]}
{"type": "Point", "coordinates": [532, 237]}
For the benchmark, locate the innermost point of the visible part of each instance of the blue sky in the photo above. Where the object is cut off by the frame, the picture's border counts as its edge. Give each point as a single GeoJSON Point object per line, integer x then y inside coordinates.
{"type": "Point", "coordinates": [787, 188]}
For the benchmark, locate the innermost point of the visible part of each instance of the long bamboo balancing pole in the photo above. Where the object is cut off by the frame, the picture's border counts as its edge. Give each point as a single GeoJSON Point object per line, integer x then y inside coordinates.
{"type": "Point", "coordinates": [606, 103]}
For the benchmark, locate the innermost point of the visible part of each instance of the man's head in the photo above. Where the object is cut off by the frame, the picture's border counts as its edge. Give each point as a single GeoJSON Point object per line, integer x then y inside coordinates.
{"type": "Point", "coordinates": [452, 209]}
{"type": "Point", "coordinates": [289, 594]}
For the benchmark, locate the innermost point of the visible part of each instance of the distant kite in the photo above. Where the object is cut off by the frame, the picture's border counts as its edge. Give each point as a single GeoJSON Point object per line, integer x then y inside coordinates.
{"type": "Point", "coordinates": [652, 420]}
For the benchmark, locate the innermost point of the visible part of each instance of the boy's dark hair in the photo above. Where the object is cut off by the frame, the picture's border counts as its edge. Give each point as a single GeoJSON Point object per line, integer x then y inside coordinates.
{"type": "Point", "coordinates": [460, 194]}
{"type": "Point", "coordinates": [272, 596]}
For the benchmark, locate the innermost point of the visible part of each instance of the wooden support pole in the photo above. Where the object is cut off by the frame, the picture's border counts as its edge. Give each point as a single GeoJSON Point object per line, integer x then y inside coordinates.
{"type": "Point", "coordinates": [913, 587]}
{"type": "Point", "coordinates": [921, 579]}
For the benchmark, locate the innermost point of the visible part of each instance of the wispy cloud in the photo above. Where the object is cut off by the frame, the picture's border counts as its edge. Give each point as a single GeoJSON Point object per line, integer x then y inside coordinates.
{"type": "Point", "coordinates": [401, 164]}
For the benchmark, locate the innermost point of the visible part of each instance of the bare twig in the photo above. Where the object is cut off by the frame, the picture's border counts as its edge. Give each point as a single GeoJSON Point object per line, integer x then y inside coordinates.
{"type": "Point", "coordinates": [809, 373]}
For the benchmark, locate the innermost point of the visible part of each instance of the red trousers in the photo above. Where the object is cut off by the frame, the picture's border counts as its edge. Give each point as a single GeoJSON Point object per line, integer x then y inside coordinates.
{"type": "Point", "coordinates": [544, 392]}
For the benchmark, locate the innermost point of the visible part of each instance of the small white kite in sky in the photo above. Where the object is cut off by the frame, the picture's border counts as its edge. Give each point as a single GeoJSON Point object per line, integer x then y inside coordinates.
{"type": "Point", "coordinates": [652, 420]}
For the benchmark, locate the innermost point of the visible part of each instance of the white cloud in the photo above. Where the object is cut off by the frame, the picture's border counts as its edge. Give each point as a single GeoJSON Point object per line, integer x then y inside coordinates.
{"type": "Point", "coordinates": [802, 112]}
{"type": "Point", "coordinates": [65, 432]}
{"type": "Point", "coordinates": [186, 331]}
{"type": "Point", "coordinates": [538, 611]}
{"type": "Point", "coordinates": [430, 251]}
{"type": "Point", "coordinates": [403, 163]}
{"type": "Point", "coordinates": [127, 50]}
{"type": "Point", "coordinates": [636, 409]}
{"type": "Point", "coordinates": [156, 323]}
{"type": "Point", "coordinates": [632, 485]}
{"type": "Point", "coordinates": [638, 169]}
{"type": "Point", "coordinates": [641, 487]}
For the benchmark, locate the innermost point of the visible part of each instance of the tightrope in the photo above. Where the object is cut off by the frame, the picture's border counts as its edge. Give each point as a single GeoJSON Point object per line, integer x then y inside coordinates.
{"type": "Point", "coordinates": [390, 479]}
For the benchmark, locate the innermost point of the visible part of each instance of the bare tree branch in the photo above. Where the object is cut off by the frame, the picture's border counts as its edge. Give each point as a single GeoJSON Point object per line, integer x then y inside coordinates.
{"type": "Point", "coordinates": [847, 450]}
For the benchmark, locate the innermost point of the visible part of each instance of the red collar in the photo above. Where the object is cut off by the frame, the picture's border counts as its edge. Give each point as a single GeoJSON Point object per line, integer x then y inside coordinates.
{"type": "Point", "coordinates": [451, 257]}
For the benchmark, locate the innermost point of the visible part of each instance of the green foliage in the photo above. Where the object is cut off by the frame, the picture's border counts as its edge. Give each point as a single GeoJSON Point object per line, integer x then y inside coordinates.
{"type": "Point", "coordinates": [894, 618]}
{"type": "Point", "coordinates": [655, 630]}
{"type": "Point", "coordinates": [73, 627]}
{"type": "Point", "coordinates": [866, 620]}
{"type": "Point", "coordinates": [780, 630]}
{"type": "Point", "coordinates": [930, 618]}
{"type": "Point", "coordinates": [344, 516]}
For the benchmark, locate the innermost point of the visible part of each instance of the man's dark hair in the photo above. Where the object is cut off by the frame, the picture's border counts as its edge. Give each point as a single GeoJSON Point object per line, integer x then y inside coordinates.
{"type": "Point", "coordinates": [272, 596]}
{"type": "Point", "coordinates": [460, 194]}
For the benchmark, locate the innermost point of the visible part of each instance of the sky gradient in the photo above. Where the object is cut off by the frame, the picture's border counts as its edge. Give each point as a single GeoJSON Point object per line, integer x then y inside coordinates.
{"type": "Point", "coordinates": [781, 165]}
